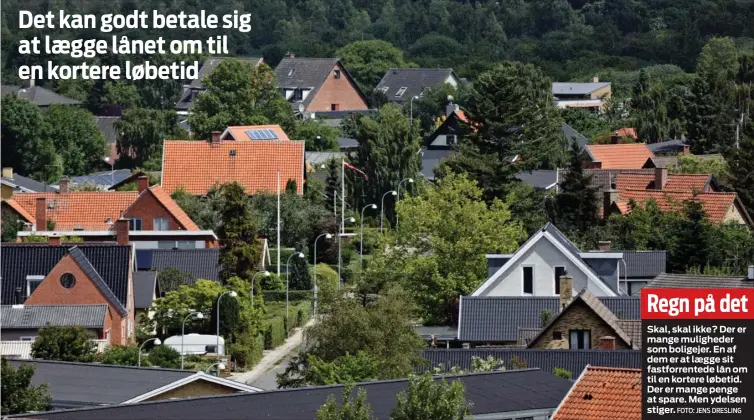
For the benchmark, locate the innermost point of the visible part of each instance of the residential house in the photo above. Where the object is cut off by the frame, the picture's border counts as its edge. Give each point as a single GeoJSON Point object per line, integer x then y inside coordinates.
{"type": "Point", "coordinates": [684, 281]}
{"type": "Point", "coordinates": [509, 321]}
{"type": "Point", "coordinates": [603, 392]}
{"type": "Point", "coordinates": [318, 84]}
{"type": "Point", "coordinates": [528, 393]}
{"type": "Point", "coordinates": [401, 84]}
{"type": "Point", "coordinates": [255, 164]}
{"type": "Point", "coordinates": [536, 267]}
{"type": "Point", "coordinates": [12, 183]}
{"type": "Point", "coordinates": [37, 95]}
{"type": "Point", "coordinates": [85, 385]}
{"type": "Point", "coordinates": [590, 96]}
{"type": "Point", "coordinates": [193, 89]}
{"type": "Point", "coordinates": [148, 217]}
{"type": "Point", "coordinates": [444, 140]}
{"type": "Point", "coordinates": [547, 360]}
{"type": "Point", "coordinates": [84, 274]}
{"type": "Point", "coordinates": [619, 156]}
{"type": "Point", "coordinates": [22, 322]}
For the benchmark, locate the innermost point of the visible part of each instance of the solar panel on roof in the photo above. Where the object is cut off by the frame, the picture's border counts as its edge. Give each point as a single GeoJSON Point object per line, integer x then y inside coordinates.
{"type": "Point", "coordinates": [262, 134]}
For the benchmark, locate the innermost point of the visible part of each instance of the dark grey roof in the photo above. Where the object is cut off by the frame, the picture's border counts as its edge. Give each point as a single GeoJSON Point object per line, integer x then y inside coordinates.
{"type": "Point", "coordinates": [82, 384]}
{"type": "Point", "coordinates": [692, 281]}
{"type": "Point", "coordinates": [495, 319]}
{"type": "Point", "coordinates": [107, 126]}
{"type": "Point", "coordinates": [22, 183]}
{"type": "Point", "coordinates": [544, 179]}
{"type": "Point", "coordinates": [310, 73]}
{"type": "Point", "coordinates": [573, 88]}
{"type": "Point", "coordinates": [38, 95]}
{"type": "Point", "coordinates": [39, 316]}
{"type": "Point", "coordinates": [493, 392]}
{"type": "Point", "coordinates": [346, 143]}
{"type": "Point", "coordinates": [573, 135]}
{"type": "Point", "coordinates": [440, 332]}
{"type": "Point", "coordinates": [92, 273]}
{"type": "Point", "coordinates": [573, 361]}
{"type": "Point", "coordinates": [431, 159]}
{"type": "Point", "coordinates": [110, 262]}
{"type": "Point", "coordinates": [414, 80]}
{"type": "Point", "coordinates": [664, 161]}
{"type": "Point", "coordinates": [105, 178]}
{"type": "Point", "coordinates": [669, 146]}
{"type": "Point", "coordinates": [200, 263]}
{"type": "Point", "coordinates": [144, 288]}
{"type": "Point", "coordinates": [211, 64]}
{"type": "Point", "coordinates": [644, 264]}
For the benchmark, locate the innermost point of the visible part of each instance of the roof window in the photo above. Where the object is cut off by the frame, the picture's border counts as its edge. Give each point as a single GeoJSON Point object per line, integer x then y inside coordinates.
{"type": "Point", "coordinates": [400, 92]}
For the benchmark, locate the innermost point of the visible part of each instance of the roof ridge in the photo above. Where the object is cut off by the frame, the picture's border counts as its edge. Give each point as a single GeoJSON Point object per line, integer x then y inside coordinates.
{"type": "Point", "coordinates": [86, 266]}
{"type": "Point", "coordinates": [613, 368]}
{"type": "Point", "coordinates": [702, 275]}
{"type": "Point", "coordinates": [60, 362]}
{"type": "Point", "coordinates": [57, 305]}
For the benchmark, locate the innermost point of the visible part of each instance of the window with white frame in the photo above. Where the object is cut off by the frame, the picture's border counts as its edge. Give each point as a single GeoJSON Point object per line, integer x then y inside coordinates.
{"type": "Point", "coordinates": [32, 282]}
{"type": "Point", "coordinates": [161, 223]}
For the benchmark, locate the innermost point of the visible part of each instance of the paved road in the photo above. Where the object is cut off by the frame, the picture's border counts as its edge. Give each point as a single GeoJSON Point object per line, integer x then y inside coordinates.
{"type": "Point", "coordinates": [268, 379]}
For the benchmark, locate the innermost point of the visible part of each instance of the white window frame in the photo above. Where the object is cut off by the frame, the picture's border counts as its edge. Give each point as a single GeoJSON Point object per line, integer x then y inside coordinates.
{"type": "Point", "coordinates": [31, 338]}
{"type": "Point", "coordinates": [523, 280]}
{"type": "Point", "coordinates": [401, 91]}
{"type": "Point", "coordinates": [157, 223]}
{"type": "Point", "coordinates": [132, 224]}
{"type": "Point", "coordinates": [557, 279]}
{"type": "Point", "coordinates": [31, 278]}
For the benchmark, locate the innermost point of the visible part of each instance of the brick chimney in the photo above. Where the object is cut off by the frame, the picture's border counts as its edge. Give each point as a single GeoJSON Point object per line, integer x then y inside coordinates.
{"type": "Point", "coordinates": [121, 231]}
{"type": "Point", "coordinates": [607, 343]}
{"type": "Point", "coordinates": [661, 178]}
{"type": "Point", "coordinates": [604, 246]}
{"type": "Point", "coordinates": [65, 185]}
{"type": "Point", "coordinates": [215, 137]}
{"type": "Point", "coordinates": [41, 216]}
{"type": "Point", "coordinates": [291, 55]}
{"type": "Point", "coordinates": [143, 182]}
{"type": "Point", "coordinates": [8, 173]}
{"type": "Point", "coordinates": [566, 290]}
{"type": "Point", "coordinates": [53, 239]}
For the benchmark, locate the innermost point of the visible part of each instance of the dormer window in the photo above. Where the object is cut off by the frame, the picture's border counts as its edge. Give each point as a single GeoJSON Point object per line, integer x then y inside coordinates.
{"type": "Point", "coordinates": [32, 282]}
{"type": "Point", "coordinates": [400, 92]}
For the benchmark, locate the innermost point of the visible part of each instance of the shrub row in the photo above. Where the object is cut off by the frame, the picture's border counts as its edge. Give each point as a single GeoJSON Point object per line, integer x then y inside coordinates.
{"type": "Point", "coordinates": [274, 332]}
{"type": "Point", "coordinates": [293, 295]}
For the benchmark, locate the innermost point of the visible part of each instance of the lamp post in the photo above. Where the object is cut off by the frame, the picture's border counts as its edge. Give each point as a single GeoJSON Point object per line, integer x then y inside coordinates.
{"type": "Point", "coordinates": [112, 170]}
{"type": "Point", "coordinates": [361, 239]}
{"type": "Point", "coordinates": [398, 198]}
{"type": "Point", "coordinates": [340, 243]}
{"type": "Point", "coordinates": [287, 283]}
{"type": "Point", "coordinates": [199, 315]}
{"type": "Point", "coordinates": [232, 294]}
{"type": "Point", "coordinates": [157, 342]}
{"type": "Point", "coordinates": [220, 366]}
{"type": "Point", "coordinates": [382, 209]}
{"type": "Point", "coordinates": [327, 236]}
{"type": "Point", "coordinates": [265, 274]}
{"type": "Point", "coordinates": [411, 113]}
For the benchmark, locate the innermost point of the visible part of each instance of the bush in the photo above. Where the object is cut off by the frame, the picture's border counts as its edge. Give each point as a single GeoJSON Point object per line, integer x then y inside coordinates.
{"type": "Point", "coordinates": [303, 313]}
{"type": "Point", "coordinates": [121, 355]}
{"type": "Point", "coordinates": [562, 373]}
{"type": "Point", "coordinates": [248, 351]}
{"type": "Point", "coordinates": [165, 357]}
{"type": "Point", "coordinates": [274, 332]}
{"type": "Point", "coordinates": [272, 282]}
{"type": "Point", "coordinates": [66, 344]}
{"type": "Point", "coordinates": [293, 295]}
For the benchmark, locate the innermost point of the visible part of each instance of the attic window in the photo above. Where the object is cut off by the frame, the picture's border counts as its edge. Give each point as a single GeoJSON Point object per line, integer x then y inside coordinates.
{"type": "Point", "coordinates": [67, 280]}
{"type": "Point", "coordinates": [290, 72]}
{"type": "Point", "coordinates": [336, 74]}
{"type": "Point", "coordinates": [232, 152]}
{"type": "Point", "coordinates": [109, 220]}
{"type": "Point", "coordinates": [384, 89]}
{"type": "Point", "coordinates": [400, 92]}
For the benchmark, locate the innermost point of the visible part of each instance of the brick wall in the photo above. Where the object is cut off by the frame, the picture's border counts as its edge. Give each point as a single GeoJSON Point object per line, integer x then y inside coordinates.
{"type": "Point", "coordinates": [147, 208]}
{"type": "Point", "coordinates": [578, 317]}
{"type": "Point", "coordinates": [341, 91]}
{"type": "Point", "coordinates": [194, 389]}
{"type": "Point", "coordinates": [84, 292]}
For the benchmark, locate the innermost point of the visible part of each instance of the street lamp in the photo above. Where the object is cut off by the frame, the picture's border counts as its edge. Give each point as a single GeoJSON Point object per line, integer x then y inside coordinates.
{"type": "Point", "coordinates": [199, 315]}
{"type": "Point", "coordinates": [157, 342]}
{"type": "Point", "coordinates": [382, 209]}
{"type": "Point", "coordinates": [287, 283]}
{"type": "Point", "coordinates": [361, 240]}
{"type": "Point", "coordinates": [232, 294]}
{"type": "Point", "coordinates": [398, 198]}
{"type": "Point", "coordinates": [340, 243]}
{"type": "Point", "coordinates": [265, 274]}
{"type": "Point", "coordinates": [112, 170]}
{"type": "Point", "coordinates": [327, 236]}
{"type": "Point", "coordinates": [220, 366]}
{"type": "Point", "coordinates": [411, 113]}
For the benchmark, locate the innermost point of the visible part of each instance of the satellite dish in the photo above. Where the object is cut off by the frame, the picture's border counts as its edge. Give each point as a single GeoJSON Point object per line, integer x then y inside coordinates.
{"type": "Point", "coordinates": [301, 108]}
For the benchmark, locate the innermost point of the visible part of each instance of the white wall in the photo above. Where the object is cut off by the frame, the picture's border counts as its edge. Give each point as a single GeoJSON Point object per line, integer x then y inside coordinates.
{"type": "Point", "coordinates": [452, 81]}
{"type": "Point", "coordinates": [544, 257]}
{"type": "Point", "coordinates": [441, 140]}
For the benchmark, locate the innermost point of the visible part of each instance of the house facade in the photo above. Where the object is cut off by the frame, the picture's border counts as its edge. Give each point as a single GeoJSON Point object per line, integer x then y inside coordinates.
{"type": "Point", "coordinates": [590, 96]}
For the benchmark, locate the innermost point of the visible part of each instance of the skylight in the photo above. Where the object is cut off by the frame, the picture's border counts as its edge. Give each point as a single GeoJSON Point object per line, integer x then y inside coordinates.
{"type": "Point", "coordinates": [400, 92]}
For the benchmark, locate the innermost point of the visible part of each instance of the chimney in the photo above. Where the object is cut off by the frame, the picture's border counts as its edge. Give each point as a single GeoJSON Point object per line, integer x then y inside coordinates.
{"type": "Point", "coordinates": [661, 178]}
{"type": "Point", "coordinates": [607, 343]}
{"type": "Point", "coordinates": [53, 239]}
{"type": "Point", "coordinates": [595, 79]}
{"type": "Point", "coordinates": [143, 183]}
{"type": "Point", "coordinates": [8, 173]}
{"type": "Point", "coordinates": [291, 55]}
{"type": "Point", "coordinates": [750, 273]}
{"type": "Point", "coordinates": [41, 216]}
{"type": "Point", "coordinates": [450, 107]}
{"type": "Point", "coordinates": [121, 231]}
{"type": "Point", "coordinates": [686, 149]}
{"type": "Point", "coordinates": [216, 137]}
{"type": "Point", "coordinates": [604, 246]}
{"type": "Point", "coordinates": [566, 290]}
{"type": "Point", "coordinates": [64, 185]}
{"type": "Point", "coordinates": [615, 139]}
{"type": "Point", "coordinates": [19, 296]}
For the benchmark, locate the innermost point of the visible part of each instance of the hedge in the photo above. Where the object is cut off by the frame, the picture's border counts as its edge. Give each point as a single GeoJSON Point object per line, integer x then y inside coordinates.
{"type": "Point", "coordinates": [303, 313]}
{"type": "Point", "coordinates": [274, 332]}
{"type": "Point", "coordinates": [248, 354]}
{"type": "Point", "coordinates": [293, 295]}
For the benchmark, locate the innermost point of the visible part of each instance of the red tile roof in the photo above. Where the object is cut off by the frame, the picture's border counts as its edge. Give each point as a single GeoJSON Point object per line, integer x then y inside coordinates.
{"type": "Point", "coordinates": [29, 217]}
{"type": "Point", "coordinates": [716, 204]}
{"type": "Point", "coordinates": [238, 132]}
{"type": "Point", "coordinates": [171, 206]}
{"type": "Point", "coordinates": [679, 182]}
{"type": "Point", "coordinates": [603, 393]}
{"type": "Point", "coordinates": [196, 166]}
{"type": "Point", "coordinates": [621, 156]}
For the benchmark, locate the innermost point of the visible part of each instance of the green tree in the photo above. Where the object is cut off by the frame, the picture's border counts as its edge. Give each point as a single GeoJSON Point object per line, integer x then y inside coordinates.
{"type": "Point", "coordinates": [140, 133]}
{"type": "Point", "coordinates": [170, 279]}
{"type": "Point", "coordinates": [693, 238]}
{"type": "Point", "coordinates": [240, 94]}
{"type": "Point", "coordinates": [301, 278]}
{"type": "Point", "coordinates": [164, 357]}
{"type": "Point", "coordinates": [237, 233]}
{"type": "Point", "coordinates": [741, 164]}
{"type": "Point", "coordinates": [367, 61]}
{"type": "Point", "coordinates": [76, 137]}
{"type": "Point", "coordinates": [66, 344]}
{"type": "Point", "coordinates": [428, 399]}
{"type": "Point", "coordinates": [351, 409]}
{"type": "Point", "coordinates": [589, 124]}
{"type": "Point", "coordinates": [318, 136]}
{"type": "Point", "coordinates": [121, 93]}
{"type": "Point", "coordinates": [343, 370]}
{"type": "Point", "coordinates": [10, 226]}
{"type": "Point", "coordinates": [204, 211]}
{"type": "Point", "coordinates": [121, 355]}
{"type": "Point", "coordinates": [18, 394]}
{"type": "Point", "coordinates": [695, 164]}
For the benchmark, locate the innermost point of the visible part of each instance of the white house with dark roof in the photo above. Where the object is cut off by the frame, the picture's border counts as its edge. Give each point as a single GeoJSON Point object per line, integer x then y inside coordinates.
{"type": "Point", "coordinates": [581, 95]}
{"type": "Point", "coordinates": [534, 269]}
{"type": "Point", "coordinates": [401, 85]}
